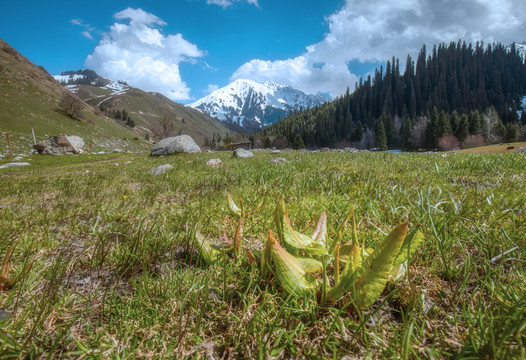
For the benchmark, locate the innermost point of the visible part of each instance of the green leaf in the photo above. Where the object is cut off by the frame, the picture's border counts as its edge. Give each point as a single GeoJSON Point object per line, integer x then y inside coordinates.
{"type": "Point", "coordinates": [376, 268]}
{"type": "Point", "coordinates": [294, 273]}
{"type": "Point", "coordinates": [292, 239]}
{"type": "Point", "coordinates": [205, 249]}
{"type": "Point", "coordinates": [233, 207]}
{"type": "Point", "coordinates": [411, 243]}
{"type": "Point", "coordinates": [354, 262]}
{"type": "Point", "coordinates": [320, 232]}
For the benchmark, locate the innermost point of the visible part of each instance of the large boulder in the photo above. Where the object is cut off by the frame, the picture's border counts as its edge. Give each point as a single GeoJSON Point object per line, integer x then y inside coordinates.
{"type": "Point", "coordinates": [242, 153]}
{"type": "Point", "coordinates": [57, 145]}
{"type": "Point", "coordinates": [522, 149]}
{"type": "Point", "coordinates": [176, 144]}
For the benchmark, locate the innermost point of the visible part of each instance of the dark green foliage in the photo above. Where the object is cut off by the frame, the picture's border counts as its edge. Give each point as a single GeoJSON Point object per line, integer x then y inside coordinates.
{"type": "Point", "coordinates": [457, 79]}
{"type": "Point", "coordinates": [267, 144]}
{"type": "Point", "coordinates": [297, 143]}
{"type": "Point", "coordinates": [381, 137]}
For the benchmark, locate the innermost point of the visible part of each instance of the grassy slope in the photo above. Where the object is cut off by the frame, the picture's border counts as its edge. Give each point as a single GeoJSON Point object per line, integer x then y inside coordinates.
{"type": "Point", "coordinates": [147, 108]}
{"type": "Point", "coordinates": [114, 275]}
{"type": "Point", "coordinates": [493, 149]}
{"type": "Point", "coordinates": [29, 100]}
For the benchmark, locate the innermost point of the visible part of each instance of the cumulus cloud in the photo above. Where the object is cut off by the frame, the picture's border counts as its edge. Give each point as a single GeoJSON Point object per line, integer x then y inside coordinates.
{"type": "Point", "coordinates": [226, 3]}
{"type": "Point", "coordinates": [140, 54]}
{"type": "Point", "coordinates": [373, 30]}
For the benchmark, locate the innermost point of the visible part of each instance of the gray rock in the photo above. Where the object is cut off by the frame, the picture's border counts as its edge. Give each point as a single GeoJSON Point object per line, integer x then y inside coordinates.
{"type": "Point", "coordinates": [159, 170]}
{"type": "Point", "coordinates": [76, 142]}
{"type": "Point", "coordinates": [275, 151]}
{"type": "Point", "coordinates": [4, 315]}
{"type": "Point", "coordinates": [117, 151]}
{"type": "Point", "coordinates": [57, 145]}
{"type": "Point", "coordinates": [522, 149]}
{"type": "Point", "coordinates": [214, 162]}
{"type": "Point", "coordinates": [18, 158]}
{"type": "Point", "coordinates": [17, 164]}
{"type": "Point", "coordinates": [176, 144]}
{"type": "Point", "coordinates": [279, 161]}
{"type": "Point", "coordinates": [242, 153]}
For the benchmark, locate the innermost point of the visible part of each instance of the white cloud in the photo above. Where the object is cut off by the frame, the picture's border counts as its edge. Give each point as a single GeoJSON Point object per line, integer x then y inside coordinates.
{"type": "Point", "coordinates": [226, 3]}
{"type": "Point", "coordinates": [143, 56]}
{"type": "Point", "coordinates": [210, 88]}
{"type": "Point", "coordinates": [86, 33]}
{"type": "Point", "coordinates": [373, 30]}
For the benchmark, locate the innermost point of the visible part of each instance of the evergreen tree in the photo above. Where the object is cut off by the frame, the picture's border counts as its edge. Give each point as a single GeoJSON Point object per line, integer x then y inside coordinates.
{"type": "Point", "coordinates": [381, 137]}
{"type": "Point", "coordinates": [297, 143]}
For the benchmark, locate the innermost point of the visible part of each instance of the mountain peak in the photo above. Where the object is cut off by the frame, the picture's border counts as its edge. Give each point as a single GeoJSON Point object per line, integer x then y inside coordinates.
{"type": "Point", "coordinates": [252, 104]}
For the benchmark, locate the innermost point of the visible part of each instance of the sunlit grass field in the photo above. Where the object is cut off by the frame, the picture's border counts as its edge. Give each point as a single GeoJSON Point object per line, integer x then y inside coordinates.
{"type": "Point", "coordinates": [112, 271]}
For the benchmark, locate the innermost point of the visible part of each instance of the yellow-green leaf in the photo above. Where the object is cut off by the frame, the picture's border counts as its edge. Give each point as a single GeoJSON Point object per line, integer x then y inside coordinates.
{"type": "Point", "coordinates": [411, 243]}
{"type": "Point", "coordinates": [294, 273]}
{"type": "Point", "coordinates": [293, 239]}
{"type": "Point", "coordinates": [347, 278]}
{"type": "Point", "coordinates": [374, 272]}
{"type": "Point", "coordinates": [204, 247]}
{"type": "Point", "coordinates": [320, 232]}
{"type": "Point", "coordinates": [233, 207]}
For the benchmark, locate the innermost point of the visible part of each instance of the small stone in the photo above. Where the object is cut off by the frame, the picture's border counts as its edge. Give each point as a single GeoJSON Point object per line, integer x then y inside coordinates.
{"type": "Point", "coordinates": [242, 153]}
{"type": "Point", "coordinates": [4, 315]}
{"type": "Point", "coordinates": [18, 158]}
{"type": "Point", "coordinates": [279, 161]}
{"type": "Point", "coordinates": [275, 151]}
{"type": "Point", "coordinates": [10, 165]}
{"type": "Point", "coordinates": [214, 162]}
{"type": "Point", "coordinates": [159, 170]}
{"type": "Point", "coordinates": [117, 151]}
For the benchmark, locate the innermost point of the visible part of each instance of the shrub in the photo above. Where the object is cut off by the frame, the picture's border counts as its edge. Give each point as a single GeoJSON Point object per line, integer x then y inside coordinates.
{"type": "Point", "coordinates": [448, 142]}
{"type": "Point", "coordinates": [473, 141]}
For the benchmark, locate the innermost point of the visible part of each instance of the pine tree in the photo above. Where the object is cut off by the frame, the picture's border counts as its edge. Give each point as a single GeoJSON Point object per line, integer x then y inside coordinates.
{"type": "Point", "coordinates": [297, 143]}
{"type": "Point", "coordinates": [381, 137]}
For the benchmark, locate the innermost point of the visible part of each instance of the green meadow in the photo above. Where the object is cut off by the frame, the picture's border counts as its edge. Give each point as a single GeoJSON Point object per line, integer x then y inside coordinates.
{"type": "Point", "coordinates": [103, 262]}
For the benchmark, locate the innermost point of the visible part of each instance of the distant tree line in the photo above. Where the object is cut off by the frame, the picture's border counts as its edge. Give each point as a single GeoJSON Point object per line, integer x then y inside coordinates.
{"type": "Point", "coordinates": [458, 90]}
{"type": "Point", "coordinates": [120, 115]}
{"type": "Point", "coordinates": [90, 78]}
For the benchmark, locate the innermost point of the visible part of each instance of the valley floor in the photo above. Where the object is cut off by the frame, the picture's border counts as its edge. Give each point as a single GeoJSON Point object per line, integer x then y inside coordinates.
{"type": "Point", "coordinates": [106, 267]}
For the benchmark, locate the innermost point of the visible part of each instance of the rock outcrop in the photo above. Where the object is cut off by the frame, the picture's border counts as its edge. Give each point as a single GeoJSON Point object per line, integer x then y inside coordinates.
{"type": "Point", "coordinates": [174, 145]}
{"type": "Point", "coordinates": [57, 145]}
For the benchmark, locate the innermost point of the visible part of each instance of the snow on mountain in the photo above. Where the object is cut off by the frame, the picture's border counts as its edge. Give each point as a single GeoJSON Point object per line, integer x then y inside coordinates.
{"type": "Point", "coordinates": [521, 47]}
{"type": "Point", "coordinates": [251, 104]}
{"type": "Point", "coordinates": [66, 78]}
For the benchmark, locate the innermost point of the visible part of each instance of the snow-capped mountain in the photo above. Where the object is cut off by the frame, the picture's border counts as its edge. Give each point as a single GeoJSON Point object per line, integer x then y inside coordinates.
{"type": "Point", "coordinates": [521, 47]}
{"type": "Point", "coordinates": [252, 105]}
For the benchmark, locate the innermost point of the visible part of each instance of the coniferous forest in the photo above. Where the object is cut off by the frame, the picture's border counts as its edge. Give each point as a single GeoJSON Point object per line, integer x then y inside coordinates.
{"type": "Point", "coordinates": [454, 95]}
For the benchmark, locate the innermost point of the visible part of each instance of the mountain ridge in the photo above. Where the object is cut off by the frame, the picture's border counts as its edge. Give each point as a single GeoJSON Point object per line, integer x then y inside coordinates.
{"type": "Point", "coordinates": [145, 109]}
{"type": "Point", "coordinates": [254, 105]}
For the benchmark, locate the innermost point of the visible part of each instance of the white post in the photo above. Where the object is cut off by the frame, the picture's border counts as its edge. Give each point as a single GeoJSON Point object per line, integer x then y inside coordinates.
{"type": "Point", "coordinates": [34, 140]}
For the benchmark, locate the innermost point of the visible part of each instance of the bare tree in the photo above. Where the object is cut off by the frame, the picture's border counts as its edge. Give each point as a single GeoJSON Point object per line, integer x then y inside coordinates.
{"type": "Point", "coordinates": [71, 105]}
{"type": "Point", "coordinates": [165, 128]}
{"type": "Point", "coordinates": [417, 134]}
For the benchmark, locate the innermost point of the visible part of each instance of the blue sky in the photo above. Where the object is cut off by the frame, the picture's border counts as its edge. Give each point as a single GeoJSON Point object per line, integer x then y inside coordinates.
{"type": "Point", "coordinates": [186, 48]}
